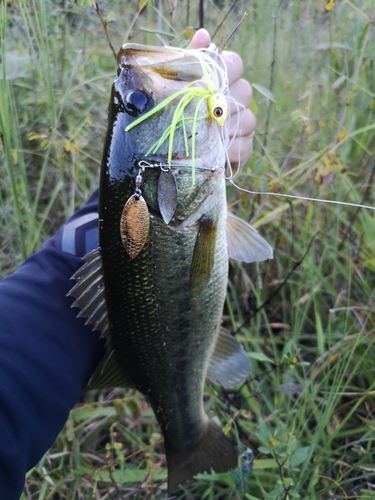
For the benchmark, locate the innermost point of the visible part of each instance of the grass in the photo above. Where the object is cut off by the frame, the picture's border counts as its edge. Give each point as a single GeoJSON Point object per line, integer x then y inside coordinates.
{"type": "Point", "coordinates": [307, 317]}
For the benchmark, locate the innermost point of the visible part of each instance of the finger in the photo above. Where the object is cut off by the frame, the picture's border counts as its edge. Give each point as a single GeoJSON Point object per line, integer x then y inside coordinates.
{"type": "Point", "coordinates": [200, 40]}
{"type": "Point", "coordinates": [241, 92]}
{"type": "Point", "coordinates": [242, 124]}
{"type": "Point", "coordinates": [234, 66]}
{"type": "Point", "coordinates": [240, 150]}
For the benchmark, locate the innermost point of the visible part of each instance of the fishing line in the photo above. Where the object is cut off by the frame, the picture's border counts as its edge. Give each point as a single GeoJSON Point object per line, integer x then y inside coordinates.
{"type": "Point", "coordinates": [306, 198]}
{"type": "Point", "coordinates": [227, 142]}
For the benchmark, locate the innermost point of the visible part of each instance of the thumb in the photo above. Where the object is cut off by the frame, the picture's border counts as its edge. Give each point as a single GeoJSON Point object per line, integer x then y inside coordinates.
{"type": "Point", "coordinates": [200, 40]}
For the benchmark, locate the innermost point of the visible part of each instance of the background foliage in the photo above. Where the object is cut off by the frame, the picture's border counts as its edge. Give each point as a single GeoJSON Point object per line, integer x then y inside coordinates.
{"type": "Point", "coordinates": [307, 317]}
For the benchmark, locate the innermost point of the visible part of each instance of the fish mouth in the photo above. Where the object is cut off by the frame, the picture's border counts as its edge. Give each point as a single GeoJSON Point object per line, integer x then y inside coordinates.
{"type": "Point", "coordinates": [169, 62]}
{"type": "Point", "coordinates": [167, 69]}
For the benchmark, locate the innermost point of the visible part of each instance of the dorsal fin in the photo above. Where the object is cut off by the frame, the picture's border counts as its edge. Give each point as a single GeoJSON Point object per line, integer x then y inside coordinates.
{"type": "Point", "coordinates": [89, 293]}
{"type": "Point", "coordinates": [244, 242]}
{"type": "Point", "coordinates": [229, 364]}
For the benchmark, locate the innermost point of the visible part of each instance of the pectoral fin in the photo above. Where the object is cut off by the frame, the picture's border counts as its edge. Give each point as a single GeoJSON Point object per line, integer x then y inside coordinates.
{"type": "Point", "coordinates": [245, 243]}
{"type": "Point", "coordinates": [204, 255]}
{"type": "Point", "coordinates": [229, 364]}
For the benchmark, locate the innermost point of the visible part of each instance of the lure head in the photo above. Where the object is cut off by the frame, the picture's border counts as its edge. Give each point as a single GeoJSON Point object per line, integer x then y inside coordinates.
{"type": "Point", "coordinates": [218, 108]}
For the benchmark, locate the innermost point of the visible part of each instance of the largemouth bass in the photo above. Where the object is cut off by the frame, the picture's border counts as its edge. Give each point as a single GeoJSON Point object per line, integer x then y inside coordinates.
{"type": "Point", "coordinates": [156, 286]}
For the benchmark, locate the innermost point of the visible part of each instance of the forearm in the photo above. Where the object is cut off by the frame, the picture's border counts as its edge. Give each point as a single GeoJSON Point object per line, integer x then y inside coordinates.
{"type": "Point", "coordinates": [47, 355]}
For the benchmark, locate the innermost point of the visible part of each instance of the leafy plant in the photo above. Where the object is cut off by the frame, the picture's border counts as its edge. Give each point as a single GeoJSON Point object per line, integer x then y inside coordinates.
{"type": "Point", "coordinates": [306, 318]}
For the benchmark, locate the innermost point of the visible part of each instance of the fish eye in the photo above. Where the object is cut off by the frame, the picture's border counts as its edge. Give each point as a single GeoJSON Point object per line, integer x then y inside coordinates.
{"type": "Point", "coordinates": [136, 102]}
{"type": "Point", "coordinates": [218, 112]}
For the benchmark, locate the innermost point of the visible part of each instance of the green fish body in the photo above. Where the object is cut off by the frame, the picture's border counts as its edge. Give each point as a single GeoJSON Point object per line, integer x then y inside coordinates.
{"type": "Point", "coordinates": [157, 285]}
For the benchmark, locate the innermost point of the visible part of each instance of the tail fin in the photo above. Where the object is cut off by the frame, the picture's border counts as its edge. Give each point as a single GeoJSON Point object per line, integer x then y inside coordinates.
{"type": "Point", "coordinates": [213, 451]}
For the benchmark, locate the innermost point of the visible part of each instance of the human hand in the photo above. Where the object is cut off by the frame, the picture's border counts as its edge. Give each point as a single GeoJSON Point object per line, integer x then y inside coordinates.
{"type": "Point", "coordinates": [240, 90]}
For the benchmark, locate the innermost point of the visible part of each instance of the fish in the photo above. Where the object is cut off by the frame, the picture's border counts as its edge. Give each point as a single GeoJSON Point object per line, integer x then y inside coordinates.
{"type": "Point", "coordinates": [156, 285]}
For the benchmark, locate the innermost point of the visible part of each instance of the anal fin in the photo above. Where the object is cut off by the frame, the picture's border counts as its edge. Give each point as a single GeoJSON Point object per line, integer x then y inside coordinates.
{"type": "Point", "coordinates": [108, 373]}
{"type": "Point", "coordinates": [213, 451]}
{"type": "Point", "coordinates": [229, 364]}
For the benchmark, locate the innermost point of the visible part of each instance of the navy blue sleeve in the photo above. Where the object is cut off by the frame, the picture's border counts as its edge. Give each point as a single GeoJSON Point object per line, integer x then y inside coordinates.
{"type": "Point", "coordinates": [47, 355]}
